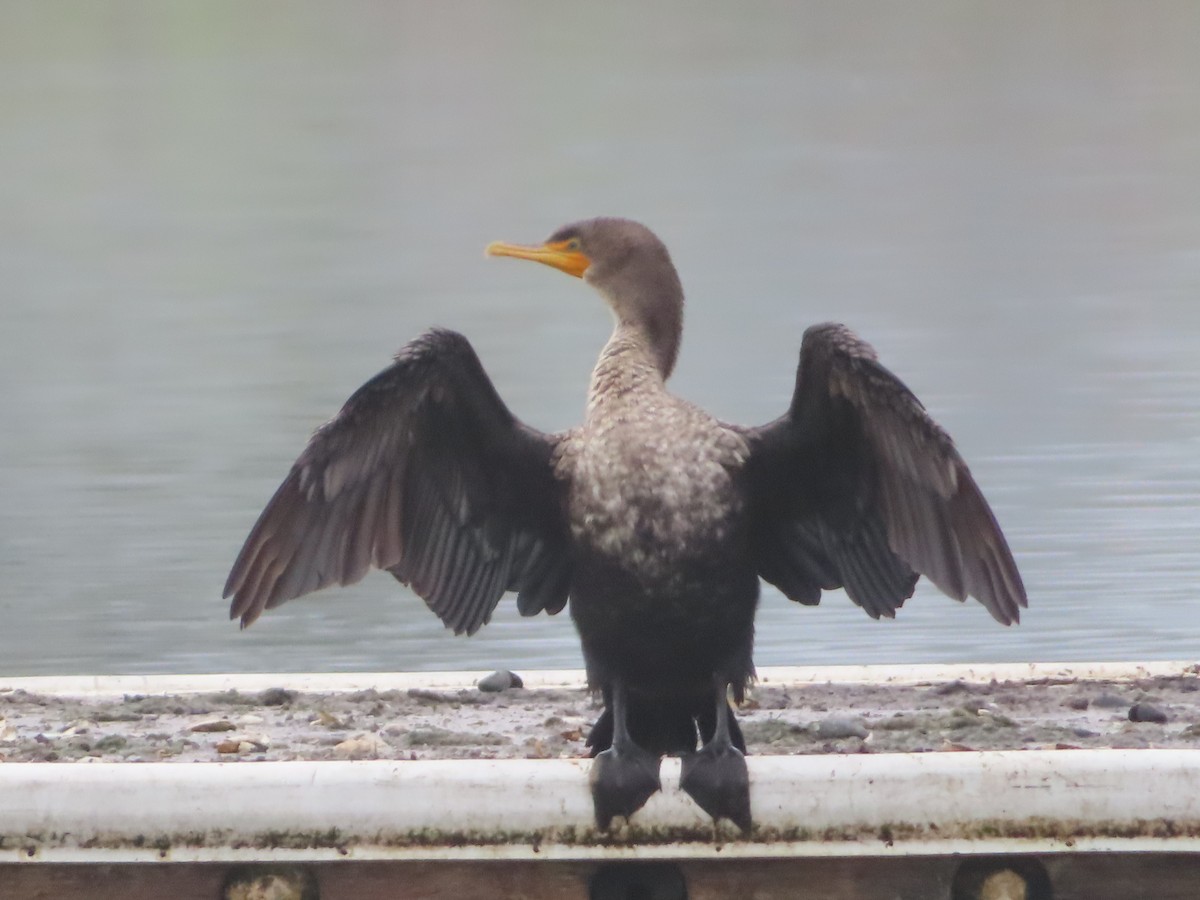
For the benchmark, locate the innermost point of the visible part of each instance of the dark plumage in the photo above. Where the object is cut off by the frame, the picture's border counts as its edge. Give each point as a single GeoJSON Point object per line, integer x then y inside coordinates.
{"type": "Point", "coordinates": [653, 519]}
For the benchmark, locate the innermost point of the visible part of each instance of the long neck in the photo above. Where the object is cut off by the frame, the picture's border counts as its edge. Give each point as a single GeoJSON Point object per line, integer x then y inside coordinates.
{"type": "Point", "coordinates": [663, 328]}
{"type": "Point", "coordinates": [649, 311]}
{"type": "Point", "coordinates": [628, 368]}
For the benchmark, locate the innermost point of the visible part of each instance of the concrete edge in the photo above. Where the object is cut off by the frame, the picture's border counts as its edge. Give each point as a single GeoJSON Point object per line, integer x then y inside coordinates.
{"type": "Point", "coordinates": [854, 805]}
{"type": "Point", "coordinates": [115, 686]}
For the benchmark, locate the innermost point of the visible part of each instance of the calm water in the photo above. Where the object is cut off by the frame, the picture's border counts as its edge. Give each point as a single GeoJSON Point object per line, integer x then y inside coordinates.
{"type": "Point", "coordinates": [219, 219]}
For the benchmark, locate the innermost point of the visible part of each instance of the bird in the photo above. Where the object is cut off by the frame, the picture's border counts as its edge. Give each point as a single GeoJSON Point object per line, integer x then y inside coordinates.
{"type": "Point", "coordinates": [652, 520]}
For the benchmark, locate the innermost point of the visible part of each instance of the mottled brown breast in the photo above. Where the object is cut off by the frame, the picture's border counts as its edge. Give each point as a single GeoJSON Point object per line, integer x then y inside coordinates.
{"type": "Point", "coordinates": [652, 484]}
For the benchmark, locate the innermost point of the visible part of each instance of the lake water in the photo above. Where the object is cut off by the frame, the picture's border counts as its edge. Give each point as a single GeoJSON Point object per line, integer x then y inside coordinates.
{"type": "Point", "coordinates": [220, 218]}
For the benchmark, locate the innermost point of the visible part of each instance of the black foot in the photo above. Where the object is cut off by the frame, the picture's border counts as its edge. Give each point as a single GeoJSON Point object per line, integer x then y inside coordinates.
{"type": "Point", "coordinates": [718, 780]}
{"type": "Point", "coordinates": [622, 781]}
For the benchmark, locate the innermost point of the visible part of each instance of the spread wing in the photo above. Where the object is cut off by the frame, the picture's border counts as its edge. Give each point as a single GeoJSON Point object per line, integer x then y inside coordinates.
{"type": "Point", "coordinates": [427, 474]}
{"type": "Point", "coordinates": [857, 486]}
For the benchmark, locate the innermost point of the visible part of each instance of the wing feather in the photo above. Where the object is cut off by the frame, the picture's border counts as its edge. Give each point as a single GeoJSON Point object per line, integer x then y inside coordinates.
{"type": "Point", "coordinates": [424, 473]}
{"type": "Point", "coordinates": [856, 486]}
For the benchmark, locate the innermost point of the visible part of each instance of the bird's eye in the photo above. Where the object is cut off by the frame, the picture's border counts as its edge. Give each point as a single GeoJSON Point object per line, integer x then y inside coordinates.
{"type": "Point", "coordinates": [573, 245]}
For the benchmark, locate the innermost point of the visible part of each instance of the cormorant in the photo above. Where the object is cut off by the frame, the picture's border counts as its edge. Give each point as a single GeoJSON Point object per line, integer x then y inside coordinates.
{"type": "Point", "coordinates": [654, 520]}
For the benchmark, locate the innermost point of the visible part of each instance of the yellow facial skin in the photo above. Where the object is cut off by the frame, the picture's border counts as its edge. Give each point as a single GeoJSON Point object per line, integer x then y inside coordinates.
{"type": "Point", "coordinates": [563, 255]}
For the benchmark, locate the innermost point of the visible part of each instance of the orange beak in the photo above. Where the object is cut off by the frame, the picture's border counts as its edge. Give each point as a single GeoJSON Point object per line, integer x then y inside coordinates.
{"type": "Point", "coordinates": [559, 255]}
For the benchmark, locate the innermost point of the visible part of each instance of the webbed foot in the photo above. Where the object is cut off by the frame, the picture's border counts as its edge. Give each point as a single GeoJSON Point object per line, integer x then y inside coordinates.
{"type": "Point", "coordinates": [622, 780]}
{"type": "Point", "coordinates": [716, 777]}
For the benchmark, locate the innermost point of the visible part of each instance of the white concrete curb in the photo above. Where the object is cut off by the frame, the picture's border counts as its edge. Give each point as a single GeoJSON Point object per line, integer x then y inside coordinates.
{"type": "Point", "coordinates": [887, 804]}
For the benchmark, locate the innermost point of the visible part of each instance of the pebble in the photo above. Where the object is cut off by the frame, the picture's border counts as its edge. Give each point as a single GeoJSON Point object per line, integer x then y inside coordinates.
{"type": "Point", "coordinates": [209, 726]}
{"type": "Point", "coordinates": [328, 720]}
{"type": "Point", "coordinates": [500, 680]}
{"type": "Point", "coordinates": [1147, 712]}
{"type": "Point", "coordinates": [836, 727]}
{"type": "Point", "coordinates": [244, 743]}
{"type": "Point", "coordinates": [899, 719]}
{"type": "Point", "coordinates": [364, 746]}
{"type": "Point", "coordinates": [1109, 701]}
{"type": "Point", "coordinates": [277, 696]}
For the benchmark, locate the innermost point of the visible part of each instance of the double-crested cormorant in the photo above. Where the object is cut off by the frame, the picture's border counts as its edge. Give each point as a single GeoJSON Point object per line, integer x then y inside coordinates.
{"type": "Point", "coordinates": [655, 520]}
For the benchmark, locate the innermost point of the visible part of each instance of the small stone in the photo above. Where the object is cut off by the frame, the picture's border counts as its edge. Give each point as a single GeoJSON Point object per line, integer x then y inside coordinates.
{"type": "Point", "coordinates": [500, 680]}
{"type": "Point", "coordinates": [212, 725]}
{"type": "Point", "coordinates": [1147, 712]}
{"type": "Point", "coordinates": [364, 746]}
{"type": "Point", "coordinates": [1079, 703]}
{"type": "Point", "coordinates": [837, 727]}
{"type": "Point", "coordinates": [244, 744]}
{"type": "Point", "coordinates": [949, 746]}
{"type": "Point", "coordinates": [1109, 701]}
{"type": "Point", "coordinates": [277, 696]}
{"type": "Point", "coordinates": [257, 742]}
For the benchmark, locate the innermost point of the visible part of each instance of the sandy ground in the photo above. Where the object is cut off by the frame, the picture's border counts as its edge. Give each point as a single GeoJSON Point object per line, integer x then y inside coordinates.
{"type": "Point", "coordinates": [282, 724]}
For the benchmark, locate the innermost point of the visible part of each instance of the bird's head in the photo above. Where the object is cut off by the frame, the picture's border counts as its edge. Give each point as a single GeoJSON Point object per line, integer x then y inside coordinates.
{"type": "Point", "coordinates": [628, 265]}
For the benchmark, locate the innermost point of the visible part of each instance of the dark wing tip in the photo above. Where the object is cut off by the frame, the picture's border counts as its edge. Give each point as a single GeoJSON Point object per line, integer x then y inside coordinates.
{"type": "Point", "coordinates": [989, 571]}
{"type": "Point", "coordinates": [245, 609]}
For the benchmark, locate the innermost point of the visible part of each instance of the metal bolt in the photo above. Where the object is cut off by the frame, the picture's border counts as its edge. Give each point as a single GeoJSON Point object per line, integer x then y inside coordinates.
{"type": "Point", "coordinates": [1004, 885]}
{"type": "Point", "coordinates": [1001, 878]}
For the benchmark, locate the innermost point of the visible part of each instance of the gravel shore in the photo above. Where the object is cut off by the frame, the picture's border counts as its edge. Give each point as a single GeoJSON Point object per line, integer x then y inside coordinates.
{"type": "Point", "coordinates": [418, 723]}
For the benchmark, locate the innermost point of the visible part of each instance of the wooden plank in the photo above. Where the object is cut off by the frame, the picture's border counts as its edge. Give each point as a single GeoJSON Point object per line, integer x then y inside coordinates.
{"type": "Point", "coordinates": [1083, 876]}
{"type": "Point", "coordinates": [126, 881]}
{"type": "Point", "coordinates": [1105, 876]}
